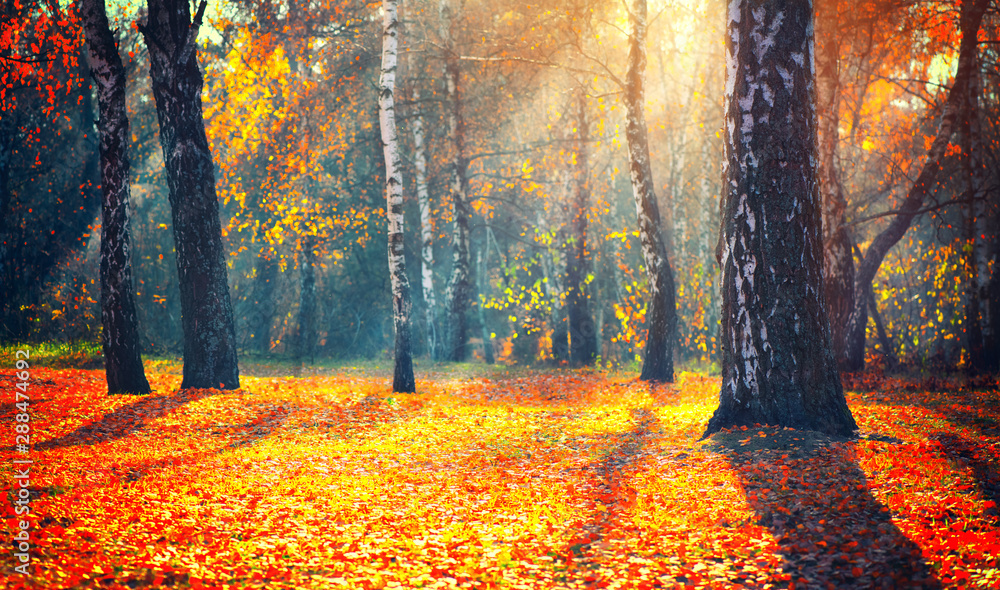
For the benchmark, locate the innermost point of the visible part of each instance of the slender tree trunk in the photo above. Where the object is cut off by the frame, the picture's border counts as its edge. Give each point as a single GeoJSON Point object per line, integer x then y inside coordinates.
{"type": "Point", "coordinates": [262, 312]}
{"type": "Point", "coordinates": [662, 322]}
{"type": "Point", "coordinates": [426, 232]}
{"type": "Point", "coordinates": [582, 346]}
{"type": "Point", "coordinates": [458, 294]}
{"type": "Point", "coordinates": [306, 332]}
{"type": "Point", "coordinates": [402, 380]}
{"type": "Point", "coordinates": [883, 336]}
{"type": "Point", "coordinates": [992, 344]}
{"type": "Point", "coordinates": [777, 363]}
{"type": "Point", "coordinates": [974, 173]}
{"type": "Point", "coordinates": [206, 309]}
{"type": "Point", "coordinates": [854, 348]}
{"type": "Point", "coordinates": [838, 257]}
{"type": "Point", "coordinates": [481, 262]}
{"type": "Point", "coordinates": [120, 338]}
{"type": "Point", "coordinates": [7, 279]}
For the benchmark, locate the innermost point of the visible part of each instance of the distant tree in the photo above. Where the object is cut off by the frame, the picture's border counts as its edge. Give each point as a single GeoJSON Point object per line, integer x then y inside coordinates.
{"type": "Point", "coordinates": [662, 323]}
{"type": "Point", "coordinates": [777, 364]}
{"type": "Point", "coordinates": [49, 159]}
{"type": "Point", "coordinates": [426, 230]}
{"type": "Point", "coordinates": [206, 310]}
{"type": "Point", "coordinates": [582, 344]}
{"type": "Point", "coordinates": [854, 348]}
{"type": "Point", "coordinates": [458, 293]}
{"type": "Point", "coordinates": [120, 338]}
{"type": "Point", "coordinates": [402, 380]}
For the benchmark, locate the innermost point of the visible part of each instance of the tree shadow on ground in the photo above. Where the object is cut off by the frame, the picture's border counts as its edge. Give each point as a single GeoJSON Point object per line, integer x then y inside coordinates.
{"type": "Point", "coordinates": [809, 491]}
{"type": "Point", "coordinates": [126, 420]}
{"type": "Point", "coordinates": [607, 488]}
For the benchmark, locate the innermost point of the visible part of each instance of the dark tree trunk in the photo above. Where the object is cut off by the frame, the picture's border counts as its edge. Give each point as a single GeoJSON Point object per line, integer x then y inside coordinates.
{"type": "Point", "coordinates": [120, 337]}
{"type": "Point", "coordinates": [458, 295]}
{"type": "Point", "coordinates": [777, 363]}
{"type": "Point", "coordinates": [582, 346]}
{"type": "Point", "coordinates": [206, 310]}
{"type": "Point", "coordinates": [402, 380]}
{"type": "Point", "coordinates": [262, 311]}
{"type": "Point", "coordinates": [481, 283]}
{"type": "Point", "coordinates": [6, 238]}
{"type": "Point", "coordinates": [883, 337]}
{"type": "Point", "coordinates": [854, 348]}
{"type": "Point", "coordinates": [306, 332]}
{"type": "Point", "coordinates": [838, 258]}
{"type": "Point", "coordinates": [992, 343]}
{"type": "Point", "coordinates": [662, 321]}
{"type": "Point", "coordinates": [975, 361]}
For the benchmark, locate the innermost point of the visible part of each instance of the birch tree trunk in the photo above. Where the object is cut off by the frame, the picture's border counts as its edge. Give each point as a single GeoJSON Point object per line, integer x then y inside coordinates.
{"type": "Point", "coordinates": [838, 257]}
{"type": "Point", "coordinates": [854, 348]}
{"type": "Point", "coordinates": [777, 363]}
{"type": "Point", "coordinates": [402, 380]}
{"type": "Point", "coordinates": [582, 345]}
{"type": "Point", "coordinates": [458, 294]}
{"type": "Point", "coordinates": [120, 337]}
{"type": "Point", "coordinates": [206, 309]}
{"type": "Point", "coordinates": [426, 231]}
{"type": "Point", "coordinates": [662, 322]}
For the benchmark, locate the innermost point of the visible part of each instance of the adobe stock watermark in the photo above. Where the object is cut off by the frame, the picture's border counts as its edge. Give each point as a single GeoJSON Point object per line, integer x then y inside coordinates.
{"type": "Point", "coordinates": [21, 495]}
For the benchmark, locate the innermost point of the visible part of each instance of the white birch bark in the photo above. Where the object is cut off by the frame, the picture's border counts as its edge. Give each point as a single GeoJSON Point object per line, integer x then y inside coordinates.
{"type": "Point", "coordinates": [458, 294]}
{"type": "Point", "coordinates": [658, 364]}
{"type": "Point", "coordinates": [403, 375]}
{"type": "Point", "coordinates": [426, 230]}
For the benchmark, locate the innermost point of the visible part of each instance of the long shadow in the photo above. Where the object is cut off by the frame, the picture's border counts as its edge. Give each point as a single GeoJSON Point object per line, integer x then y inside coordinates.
{"type": "Point", "coordinates": [830, 530]}
{"type": "Point", "coordinates": [607, 492]}
{"type": "Point", "coordinates": [125, 420]}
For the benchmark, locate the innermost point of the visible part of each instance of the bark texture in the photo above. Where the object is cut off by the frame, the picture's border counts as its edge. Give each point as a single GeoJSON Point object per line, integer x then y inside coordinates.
{"type": "Point", "coordinates": [777, 363]}
{"type": "Point", "coordinates": [582, 342]}
{"type": "Point", "coordinates": [120, 336]}
{"type": "Point", "coordinates": [972, 150]}
{"type": "Point", "coordinates": [838, 257]}
{"type": "Point", "coordinates": [458, 293]}
{"type": "Point", "coordinates": [854, 348]}
{"type": "Point", "coordinates": [661, 328]}
{"type": "Point", "coordinates": [402, 380]}
{"type": "Point", "coordinates": [206, 309]}
{"type": "Point", "coordinates": [426, 232]}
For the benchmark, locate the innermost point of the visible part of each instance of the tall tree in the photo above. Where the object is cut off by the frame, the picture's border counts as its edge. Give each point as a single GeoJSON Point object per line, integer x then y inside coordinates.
{"type": "Point", "coordinates": [206, 310]}
{"type": "Point", "coordinates": [777, 363]}
{"type": "Point", "coordinates": [120, 338]}
{"type": "Point", "coordinates": [402, 380]}
{"type": "Point", "coordinates": [426, 230]}
{"type": "Point", "coordinates": [458, 294]}
{"type": "Point", "coordinates": [662, 323]}
{"type": "Point", "coordinates": [582, 344]}
{"type": "Point", "coordinates": [854, 348]}
{"type": "Point", "coordinates": [838, 256]}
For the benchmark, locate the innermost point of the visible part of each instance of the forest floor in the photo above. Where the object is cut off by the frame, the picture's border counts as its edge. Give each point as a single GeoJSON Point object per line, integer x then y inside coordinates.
{"type": "Point", "coordinates": [499, 478]}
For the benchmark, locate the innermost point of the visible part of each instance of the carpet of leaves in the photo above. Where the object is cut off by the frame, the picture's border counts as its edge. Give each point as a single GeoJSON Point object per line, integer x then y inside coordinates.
{"type": "Point", "coordinates": [553, 479]}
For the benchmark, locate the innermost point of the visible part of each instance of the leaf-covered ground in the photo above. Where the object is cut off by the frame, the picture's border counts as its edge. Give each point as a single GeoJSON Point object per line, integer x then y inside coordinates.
{"type": "Point", "coordinates": [529, 480]}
